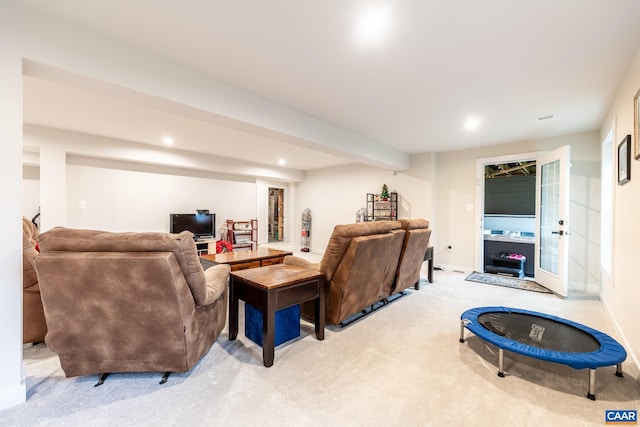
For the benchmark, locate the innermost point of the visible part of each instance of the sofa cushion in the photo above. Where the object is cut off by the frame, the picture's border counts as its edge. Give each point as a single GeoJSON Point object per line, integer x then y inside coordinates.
{"type": "Point", "coordinates": [413, 251]}
{"type": "Point", "coordinates": [182, 245]}
{"type": "Point", "coordinates": [300, 262]}
{"type": "Point", "coordinates": [393, 250]}
{"type": "Point", "coordinates": [413, 224]}
{"type": "Point", "coordinates": [341, 238]}
{"type": "Point", "coordinates": [29, 252]}
{"type": "Point", "coordinates": [217, 277]}
{"type": "Point", "coordinates": [34, 326]}
{"type": "Point", "coordinates": [358, 280]}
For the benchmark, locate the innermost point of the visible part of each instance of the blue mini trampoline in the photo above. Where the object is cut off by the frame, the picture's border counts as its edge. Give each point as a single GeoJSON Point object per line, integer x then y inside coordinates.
{"type": "Point", "coordinates": [544, 337]}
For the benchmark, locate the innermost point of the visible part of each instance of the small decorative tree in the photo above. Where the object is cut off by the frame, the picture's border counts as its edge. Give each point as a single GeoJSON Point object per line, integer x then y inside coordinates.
{"type": "Point", "coordinates": [384, 194]}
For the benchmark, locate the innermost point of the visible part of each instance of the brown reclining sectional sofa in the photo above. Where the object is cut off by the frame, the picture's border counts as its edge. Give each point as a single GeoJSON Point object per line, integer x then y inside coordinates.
{"type": "Point", "coordinates": [367, 262]}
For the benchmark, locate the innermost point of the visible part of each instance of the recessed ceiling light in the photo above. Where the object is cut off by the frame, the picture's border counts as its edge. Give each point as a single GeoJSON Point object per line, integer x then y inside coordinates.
{"type": "Point", "coordinates": [373, 22]}
{"type": "Point", "coordinates": [167, 140]}
{"type": "Point", "coordinates": [472, 123]}
{"type": "Point", "coordinates": [281, 162]}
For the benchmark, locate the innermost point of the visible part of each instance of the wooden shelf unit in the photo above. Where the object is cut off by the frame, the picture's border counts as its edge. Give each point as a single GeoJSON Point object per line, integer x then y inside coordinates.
{"type": "Point", "coordinates": [243, 234]}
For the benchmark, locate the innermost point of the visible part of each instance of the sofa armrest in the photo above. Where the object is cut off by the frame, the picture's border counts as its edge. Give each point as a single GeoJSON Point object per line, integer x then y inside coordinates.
{"type": "Point", "coordinates": [217, 278]}
{"type": "Point", "coordinates": [301, 262]}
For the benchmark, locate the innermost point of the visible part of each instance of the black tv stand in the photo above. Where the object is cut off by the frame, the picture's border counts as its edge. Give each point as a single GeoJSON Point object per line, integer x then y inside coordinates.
{"type": "Point", "coordinates": [505, 265]}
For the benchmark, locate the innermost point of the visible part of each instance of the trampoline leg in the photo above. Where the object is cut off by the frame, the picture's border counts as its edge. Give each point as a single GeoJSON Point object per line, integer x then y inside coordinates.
{"type": "Point", "coordinates": [501, 363]}
{"type": "Point", "coordinates": [591, 394]}
{"type": "Point", "coordinates": [619, 370]}
{"type": "Point", "coordinates": [463, 323]}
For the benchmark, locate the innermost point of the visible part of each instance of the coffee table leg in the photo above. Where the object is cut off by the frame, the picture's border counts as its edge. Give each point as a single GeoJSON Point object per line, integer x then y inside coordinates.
{"type": "Point", "coordinates": [319, 305]}
{"type": "Point", "coordinates": [269, 330]}
{"type": "Point", "coordinates": [233, 310]}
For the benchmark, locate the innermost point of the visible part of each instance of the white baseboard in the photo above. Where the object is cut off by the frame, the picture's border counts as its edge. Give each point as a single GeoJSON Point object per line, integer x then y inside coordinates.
{"type": "Point", "coordinates": [625, 341]}
{"type": "Point", "coordinates": [455, 268]}
{"type": "Point", "coordinates": [585, 287]}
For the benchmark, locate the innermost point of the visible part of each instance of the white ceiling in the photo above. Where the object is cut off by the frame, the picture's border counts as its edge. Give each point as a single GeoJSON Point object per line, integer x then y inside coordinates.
{"type": "Point", "coordinates": [506, 62]}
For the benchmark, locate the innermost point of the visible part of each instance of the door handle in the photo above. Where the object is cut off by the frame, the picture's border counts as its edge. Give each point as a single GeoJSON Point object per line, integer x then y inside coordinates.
{"type": "Point", "coordinates": [560, 232]}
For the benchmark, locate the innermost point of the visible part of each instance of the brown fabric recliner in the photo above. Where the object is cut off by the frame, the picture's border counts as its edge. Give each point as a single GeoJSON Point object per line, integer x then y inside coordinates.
{"type": "Point", "coordinates": [128, 302]}
{"type": "Point", "coordinates": [359, 262]}
{"type": "Point", "coordinates": [34, 326]}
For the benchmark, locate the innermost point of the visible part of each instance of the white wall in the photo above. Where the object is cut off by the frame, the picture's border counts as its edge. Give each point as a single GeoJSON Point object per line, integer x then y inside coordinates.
{"type": "Point", "coordinates": [456, 186]}
{"type": "Point", "coordinates": [622, 293]}
{"type": "Point", "coordinates": [125, 200]}
{"type": "Point", "coordinates": [30, 191]}
{"type": "Point", "coordinates": [12, 384]}
{"type": "Point", "coordinates": [335, 194]}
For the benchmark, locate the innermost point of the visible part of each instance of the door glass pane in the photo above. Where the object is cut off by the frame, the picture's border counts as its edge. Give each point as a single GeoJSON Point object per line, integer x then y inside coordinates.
{"type": "Point", "coordinates": [549, 216]}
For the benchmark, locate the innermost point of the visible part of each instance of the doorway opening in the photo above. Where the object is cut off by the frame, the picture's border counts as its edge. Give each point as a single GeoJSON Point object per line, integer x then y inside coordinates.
{"type": "Point", "coordinates": [276, 214]}
{"type": "Point", "coordinates": [550, 237]}
{"type": "Point", "coordinates": [506, 198]}
{"type": "Point", "coordinates": [509, 218]}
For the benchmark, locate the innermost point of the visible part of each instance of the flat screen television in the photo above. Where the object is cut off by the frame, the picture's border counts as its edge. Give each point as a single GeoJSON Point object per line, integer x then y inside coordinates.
{"type": "Point", "coordinates": [201, 225]}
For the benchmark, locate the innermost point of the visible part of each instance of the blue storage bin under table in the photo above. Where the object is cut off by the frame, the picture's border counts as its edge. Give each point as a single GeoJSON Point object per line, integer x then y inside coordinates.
{"type": "Point", "coordinates": [287, 324]}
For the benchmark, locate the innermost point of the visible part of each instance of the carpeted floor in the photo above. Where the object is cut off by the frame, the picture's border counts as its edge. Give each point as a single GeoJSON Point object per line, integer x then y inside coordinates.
{"type": "Point", "coordinates": [401, 366]}
{"type": "Point", "coordinates": [509, 282]}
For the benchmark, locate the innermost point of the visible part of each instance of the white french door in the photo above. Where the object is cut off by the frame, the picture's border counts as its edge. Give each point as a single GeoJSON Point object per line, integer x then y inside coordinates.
{"type": "Point", "coordinates": [552, 205]}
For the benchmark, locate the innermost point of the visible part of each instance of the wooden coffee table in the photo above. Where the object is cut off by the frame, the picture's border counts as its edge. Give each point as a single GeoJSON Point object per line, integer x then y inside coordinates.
{"type": "Point", "coordinates": [254, 258]}
{"type": "Point", "coordinates": [273, 288]}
